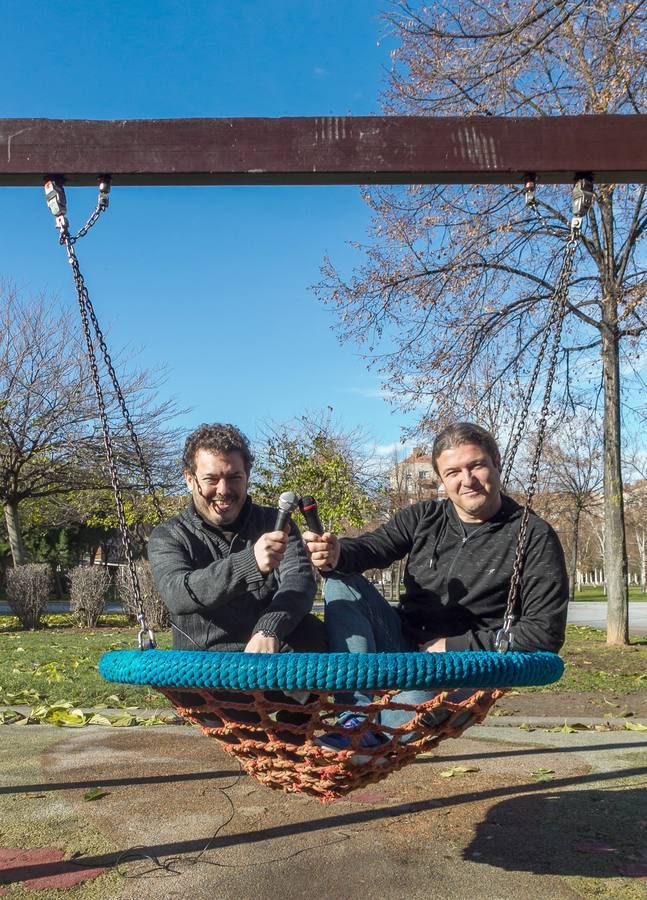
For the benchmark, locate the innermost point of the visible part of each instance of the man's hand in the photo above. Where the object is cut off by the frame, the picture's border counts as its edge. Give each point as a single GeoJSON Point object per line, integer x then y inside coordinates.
{"type": "Point", "coordinates": [323, 550]}
{"type": "Point", "coordinates": [262, 643]}
{"type": "Point", "coordinates": [435, 646]}
{"type": "Point", "coordinates": [269, 550]}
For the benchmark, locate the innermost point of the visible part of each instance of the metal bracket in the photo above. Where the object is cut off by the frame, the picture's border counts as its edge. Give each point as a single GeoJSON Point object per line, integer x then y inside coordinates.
{"type": "Point", "coordinates": [582, 200]}
{"type": "Point", "coordinates": [529, 188]}
{"type": "Point", "coordinates": [56, 202]}
{"type": "Point", "coordinates": [504, 637]}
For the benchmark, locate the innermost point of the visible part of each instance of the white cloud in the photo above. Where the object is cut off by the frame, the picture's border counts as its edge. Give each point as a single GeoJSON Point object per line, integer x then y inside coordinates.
{"type": "Point", "coordinates": [402, 450]}
{"type": "Point", "coordinates": [371, 393]}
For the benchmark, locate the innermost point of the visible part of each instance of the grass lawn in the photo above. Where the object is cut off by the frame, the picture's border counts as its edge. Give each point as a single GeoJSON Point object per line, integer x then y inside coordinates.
{"type": "Point", "coordinates": [59, 663]}
{"type": "Point", "coordinates": [596, 594]}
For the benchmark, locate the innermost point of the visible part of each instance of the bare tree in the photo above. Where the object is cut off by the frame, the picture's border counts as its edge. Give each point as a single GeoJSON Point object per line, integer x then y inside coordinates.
{"type": "Point", "coordinates": [50, 438]}
{"type": "Point", "coordinates": [573, 479]}
{"type": "Point", "coordinates": [636, 506]}
{"type": "Point", "coordinates": [457, 282]}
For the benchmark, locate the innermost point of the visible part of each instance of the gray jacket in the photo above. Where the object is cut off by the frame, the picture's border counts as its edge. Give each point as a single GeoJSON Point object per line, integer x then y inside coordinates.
{"type": "Point", "coordinates": [214, 591]}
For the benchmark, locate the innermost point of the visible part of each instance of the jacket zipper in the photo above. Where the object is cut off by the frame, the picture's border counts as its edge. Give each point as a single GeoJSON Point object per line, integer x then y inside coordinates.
{"type": "Point", "coordinates": [465, 539]}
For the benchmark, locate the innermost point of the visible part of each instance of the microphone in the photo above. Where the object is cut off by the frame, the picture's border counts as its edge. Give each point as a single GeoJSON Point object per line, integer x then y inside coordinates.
{"type": "Point", "coordinates": [288, 502]}
{"type": "Point", "coordinates": [308, 506]}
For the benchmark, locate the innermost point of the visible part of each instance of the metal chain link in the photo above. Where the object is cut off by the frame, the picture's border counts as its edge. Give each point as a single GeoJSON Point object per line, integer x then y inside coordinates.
{"type": "Point", "coordinates": [560, 297]}
{"type": "Point", "coordinates": [513, 446]}
{"type": "Point", "coordinates": [102, 205]}
{"type": "Point", "coordinates": [86, 307]}
{"type": "Point", "coordinates": [148, 482]}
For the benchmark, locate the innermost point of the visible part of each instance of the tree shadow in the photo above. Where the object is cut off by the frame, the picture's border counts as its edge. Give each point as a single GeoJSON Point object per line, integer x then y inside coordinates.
{"type": "Point", "coordinates": [594, 833]}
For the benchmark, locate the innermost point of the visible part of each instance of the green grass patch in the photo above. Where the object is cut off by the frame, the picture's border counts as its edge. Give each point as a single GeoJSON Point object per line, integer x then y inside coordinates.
{"type": "Point", "coordinates": [593, 594]}
{"type": "Point", "coordinates": [58, 663]}
{"type": "Point", "coordinates": [593, 665]}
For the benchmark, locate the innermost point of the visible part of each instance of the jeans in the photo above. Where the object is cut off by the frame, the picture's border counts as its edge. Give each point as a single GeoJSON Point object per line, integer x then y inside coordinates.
{"type": "Point", "coordinates": [359, 620]}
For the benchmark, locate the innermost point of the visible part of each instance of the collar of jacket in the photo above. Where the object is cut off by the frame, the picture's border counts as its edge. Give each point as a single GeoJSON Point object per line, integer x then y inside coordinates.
{"type": "Point", "coordinates": [508, 510]}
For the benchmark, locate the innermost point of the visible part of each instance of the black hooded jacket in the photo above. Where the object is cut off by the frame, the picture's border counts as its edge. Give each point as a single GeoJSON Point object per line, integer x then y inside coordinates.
{"type": "Point", "coordinates": [456, 581]}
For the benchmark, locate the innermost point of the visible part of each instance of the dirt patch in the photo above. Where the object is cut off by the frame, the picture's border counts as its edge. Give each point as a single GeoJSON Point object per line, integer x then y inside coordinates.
{"type": "Point", "coordinates": [573, 703]}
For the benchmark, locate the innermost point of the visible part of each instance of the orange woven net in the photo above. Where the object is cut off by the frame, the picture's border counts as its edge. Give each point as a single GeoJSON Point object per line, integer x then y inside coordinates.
{"type": "Point", "coordinates": [275, 737]}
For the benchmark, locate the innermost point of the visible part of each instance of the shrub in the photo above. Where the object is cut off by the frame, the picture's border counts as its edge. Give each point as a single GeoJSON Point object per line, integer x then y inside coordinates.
{"type": "Point", "coordinates": [89, 587]}
{"type": "Point", "coordinates": [156, 614]}
{"type": "Point", "coordinates": [28, 590]}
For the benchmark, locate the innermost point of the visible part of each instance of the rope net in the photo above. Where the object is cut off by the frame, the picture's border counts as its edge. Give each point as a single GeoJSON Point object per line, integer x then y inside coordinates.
{"type": "Point", "coordinates": [276, 738]}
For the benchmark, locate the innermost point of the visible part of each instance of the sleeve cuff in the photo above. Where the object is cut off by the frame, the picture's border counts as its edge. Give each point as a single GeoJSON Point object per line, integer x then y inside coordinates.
{"type": "Point", "coordinates": [276, 622]}
{"type": "Point", "coordinates": [458, 642]}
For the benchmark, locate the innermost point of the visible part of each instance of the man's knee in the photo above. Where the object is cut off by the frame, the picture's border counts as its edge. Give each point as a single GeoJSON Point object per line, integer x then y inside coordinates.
{"type": "Point", "coordinates": [346, 587]}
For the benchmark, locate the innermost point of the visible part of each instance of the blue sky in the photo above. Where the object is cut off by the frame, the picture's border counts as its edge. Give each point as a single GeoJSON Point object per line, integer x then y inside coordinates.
{"type": "Point", "coordinates": [212, 283]}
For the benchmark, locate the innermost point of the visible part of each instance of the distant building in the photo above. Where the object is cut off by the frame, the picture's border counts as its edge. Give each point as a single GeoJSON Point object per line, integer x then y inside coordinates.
{"type": "Point", "coordinates": [413, 479]}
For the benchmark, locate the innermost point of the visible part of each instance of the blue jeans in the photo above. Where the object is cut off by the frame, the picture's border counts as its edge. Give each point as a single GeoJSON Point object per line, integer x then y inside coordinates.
{"type": "Point", "coordinates": [359, 620]}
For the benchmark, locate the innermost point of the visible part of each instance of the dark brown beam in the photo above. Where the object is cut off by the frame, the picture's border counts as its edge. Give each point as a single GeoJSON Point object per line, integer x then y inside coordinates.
{"type": "Point", "coordinates": [330, 150]}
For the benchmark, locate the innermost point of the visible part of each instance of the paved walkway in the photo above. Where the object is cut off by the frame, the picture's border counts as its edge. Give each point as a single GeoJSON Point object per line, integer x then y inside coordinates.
{"type": "Point", "coordinates": [595, 614]}
{"type": "Point", "coordinates": [499, 813]}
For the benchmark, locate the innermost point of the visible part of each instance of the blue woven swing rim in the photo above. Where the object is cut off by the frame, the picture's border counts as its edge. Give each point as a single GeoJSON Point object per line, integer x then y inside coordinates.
{"type": "Point", "coordinates": [329, 671]}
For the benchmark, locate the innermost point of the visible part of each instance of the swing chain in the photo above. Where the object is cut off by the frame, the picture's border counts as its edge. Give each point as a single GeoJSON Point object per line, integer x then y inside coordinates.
{"type": "Point", "coordinates": [504, 637]}
{"type": "Point", "coordinates": [511, 450]}
{"type": "Point", "coordinates": [57, 203]}
{"type": "Point", "coordinates": [55, 196]}
{"type": "Point", "coordinates": [102, 205]}
{"type": "Point", "coordinates": [582, 200]}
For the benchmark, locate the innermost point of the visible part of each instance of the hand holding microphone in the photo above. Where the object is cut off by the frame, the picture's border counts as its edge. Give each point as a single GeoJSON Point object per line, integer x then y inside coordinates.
{"type": "Point", "coordinates": [308, 507]}
{"type": "Point", "coordinates": [323, 547]}
{"type": "Point", "coordinates": [270, 548]}
{"type": "Point", "coordinates": [288, 502]}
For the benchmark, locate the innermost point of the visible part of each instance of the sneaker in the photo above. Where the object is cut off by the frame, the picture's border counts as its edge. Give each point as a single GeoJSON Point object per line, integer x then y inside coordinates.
{"type": "Point", "coordinates": [339, 741]}
{"type": "Point", "coordinates": [439, 714]}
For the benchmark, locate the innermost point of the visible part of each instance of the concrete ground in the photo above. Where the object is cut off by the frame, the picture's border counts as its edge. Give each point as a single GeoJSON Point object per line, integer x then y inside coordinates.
{"type": "Point", "coordinates": [533, 813]}
{"type": "Point", "coordinates": [584, 612]}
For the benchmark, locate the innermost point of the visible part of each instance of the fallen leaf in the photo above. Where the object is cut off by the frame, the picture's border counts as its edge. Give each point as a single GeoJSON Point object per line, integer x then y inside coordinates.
{"type": "Point", "coordinates": [95, 794]}
{"type": "Point", "coordinates": [635, 726]}
{"type": "Point", "coordinates": [458, 770]}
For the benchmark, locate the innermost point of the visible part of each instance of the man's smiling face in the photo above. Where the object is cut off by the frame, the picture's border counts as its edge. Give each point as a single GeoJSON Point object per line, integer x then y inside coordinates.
{"type": "Point", "coordinates": [218, 485]}
{"type": "Point", "coordinates": [472, 480]}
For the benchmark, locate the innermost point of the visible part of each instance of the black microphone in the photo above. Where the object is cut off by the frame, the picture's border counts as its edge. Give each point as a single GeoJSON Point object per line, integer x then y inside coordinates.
{"type": "Point", "coordinates": [308, 506]}
{"type": "Point", "coordinates": [288, 502]}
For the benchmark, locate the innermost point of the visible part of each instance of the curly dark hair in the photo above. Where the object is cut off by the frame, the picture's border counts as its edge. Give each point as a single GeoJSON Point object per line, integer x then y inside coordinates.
{"type": "Point", "coordinates": [460, 433]}
{"type": "Point", "coordinates": [216, 438]}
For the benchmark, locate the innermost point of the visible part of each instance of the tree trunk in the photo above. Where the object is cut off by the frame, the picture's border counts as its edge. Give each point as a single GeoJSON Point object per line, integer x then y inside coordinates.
{"type": "Point", "coordinates": [641, 541]}
{"type": "Point", "coordinates": [15, 534]}
{"type": "Point", "coordinates": [573, 573]}
{"type": "Point", "coordinates": [615, 547]}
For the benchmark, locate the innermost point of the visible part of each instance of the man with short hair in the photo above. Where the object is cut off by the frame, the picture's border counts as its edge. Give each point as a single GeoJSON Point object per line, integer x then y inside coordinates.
{"type": "Point", "coordinates": [228, 578]}
{"type": "Point", "coordinates": [460, 554]}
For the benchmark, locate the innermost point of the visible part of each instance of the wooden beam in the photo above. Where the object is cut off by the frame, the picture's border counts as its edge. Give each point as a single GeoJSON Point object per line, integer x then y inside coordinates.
{"type": "Point", "coordinates": [326, 150]}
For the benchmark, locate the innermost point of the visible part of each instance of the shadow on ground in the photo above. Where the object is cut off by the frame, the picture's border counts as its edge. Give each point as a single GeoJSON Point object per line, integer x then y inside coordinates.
{"type": "Point", "coordinates": [592, 833]}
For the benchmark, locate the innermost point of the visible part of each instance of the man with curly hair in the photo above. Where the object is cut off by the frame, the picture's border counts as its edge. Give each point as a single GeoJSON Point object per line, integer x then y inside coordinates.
{"type": "Point", "coordinates": [228, 578]}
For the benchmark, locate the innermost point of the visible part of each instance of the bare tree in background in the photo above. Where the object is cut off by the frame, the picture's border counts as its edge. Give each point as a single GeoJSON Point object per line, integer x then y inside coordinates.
{"type": "Point", "coordinates": [457, 280]}
{"type": "Point", "coordinates": [572, 482]}
{"type": "Point", "coordinates": [50, 437]}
